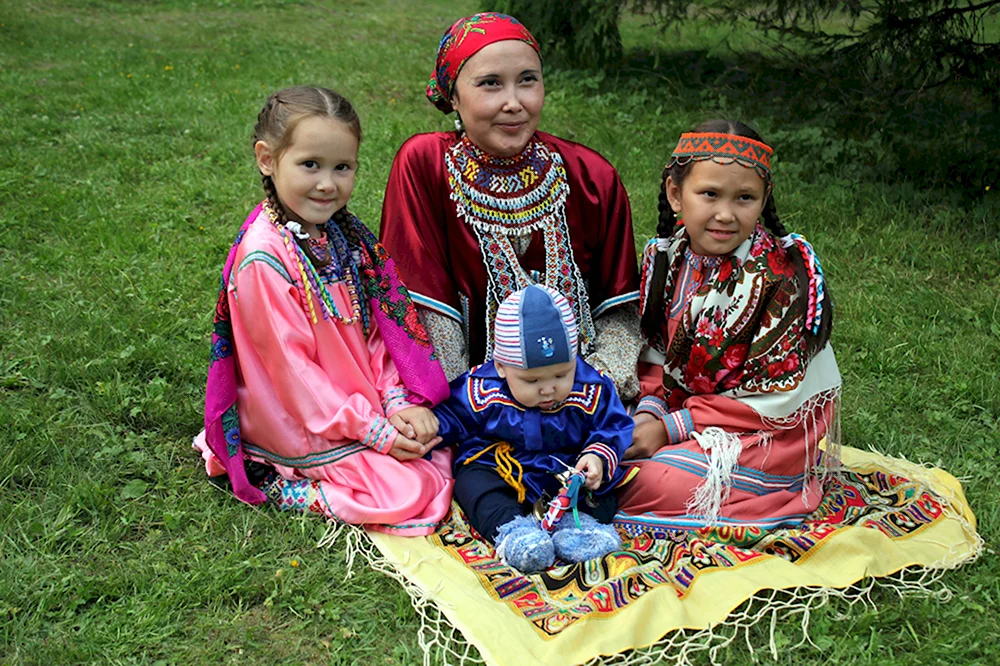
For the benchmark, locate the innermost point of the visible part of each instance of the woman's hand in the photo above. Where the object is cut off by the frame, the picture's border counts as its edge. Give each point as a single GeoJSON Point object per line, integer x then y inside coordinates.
{"type": "Point", "coordinates": [592, 467]}
{"type": "Point", "coordinates": [404, 448]}
{"type": "Point", "coordinates": [648, 438]}
{"type": "Point", "coordinates": [417, 423]}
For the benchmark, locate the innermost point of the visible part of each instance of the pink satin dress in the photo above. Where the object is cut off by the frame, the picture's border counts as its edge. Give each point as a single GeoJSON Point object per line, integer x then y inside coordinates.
{"type": "Point", "coordinates": [314, 399]}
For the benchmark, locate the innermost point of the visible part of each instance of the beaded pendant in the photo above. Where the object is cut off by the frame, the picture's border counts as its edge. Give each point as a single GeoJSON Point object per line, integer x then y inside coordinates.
{"type": "Point", "coordinates": [505, 199]}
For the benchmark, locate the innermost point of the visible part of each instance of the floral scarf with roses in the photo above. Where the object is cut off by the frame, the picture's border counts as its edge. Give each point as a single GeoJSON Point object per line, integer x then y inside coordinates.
{"type": "Point", "coordinates": [392, 312]}
{"type": "Point", "coordinates": [742, 334]}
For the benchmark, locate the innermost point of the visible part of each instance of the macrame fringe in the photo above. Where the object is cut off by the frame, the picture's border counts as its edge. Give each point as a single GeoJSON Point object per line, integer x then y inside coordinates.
{"type": "Point", "coordinates": [438, 638]}
{"type": "Point", "coordinates": [723, 450]}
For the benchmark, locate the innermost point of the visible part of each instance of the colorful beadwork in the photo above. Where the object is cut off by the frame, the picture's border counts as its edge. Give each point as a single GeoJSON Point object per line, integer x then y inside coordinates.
{"type": "Point", "coordinates": [723, 149]}
{"type": "Point", "coordinates": [505, 199]}
{"type": "Point", "coordinates": [312, 284]}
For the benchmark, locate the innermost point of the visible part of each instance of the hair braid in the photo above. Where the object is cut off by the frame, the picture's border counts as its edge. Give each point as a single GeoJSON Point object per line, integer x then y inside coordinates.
{"type": "Point", "coordinates": [655, 302]}
{"type": "Point", "coordinates": [773, 224]}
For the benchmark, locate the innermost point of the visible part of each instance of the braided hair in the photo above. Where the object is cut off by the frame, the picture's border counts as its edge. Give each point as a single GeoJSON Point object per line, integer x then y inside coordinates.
{"type": "Point", "coordinates": [653, 316]}
{"type": "Point", "coordinates": [276, 124]}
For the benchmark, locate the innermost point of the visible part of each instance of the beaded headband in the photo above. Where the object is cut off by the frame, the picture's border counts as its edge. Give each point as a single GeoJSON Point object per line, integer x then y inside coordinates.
{"type": "Point", "coordinates": [723, 149]}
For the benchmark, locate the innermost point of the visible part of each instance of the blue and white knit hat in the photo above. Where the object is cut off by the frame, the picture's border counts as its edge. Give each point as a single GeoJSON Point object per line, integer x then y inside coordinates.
{"type": "Point", "coordinates": [534, 327]}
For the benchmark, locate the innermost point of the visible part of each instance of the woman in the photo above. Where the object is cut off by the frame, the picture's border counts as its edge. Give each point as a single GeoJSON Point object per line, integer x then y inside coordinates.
{"type": "Point", "coordinates": [473, 215]}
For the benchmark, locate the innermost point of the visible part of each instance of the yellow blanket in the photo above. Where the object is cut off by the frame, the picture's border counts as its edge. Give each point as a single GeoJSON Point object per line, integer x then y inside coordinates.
{"type": "Point", "coordinates": [880, 516]}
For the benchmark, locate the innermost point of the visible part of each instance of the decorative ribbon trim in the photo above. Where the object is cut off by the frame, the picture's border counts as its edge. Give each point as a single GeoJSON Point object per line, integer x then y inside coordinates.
{"type": "Point", "coordinates": [817, 291]}
{"type": "Point", "coordinates": [607, 454]}
{"type": "Point", "coordinates": [380, 435]}
{"type": "Point", "coordinates": [394, 400]}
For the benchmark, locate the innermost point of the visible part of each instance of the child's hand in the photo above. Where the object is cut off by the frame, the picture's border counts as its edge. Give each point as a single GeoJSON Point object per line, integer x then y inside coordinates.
{"type": "Point", "coordinates": [592, 467]}
{"type": "Point", "coordinates": [643, 417]}
{"type": "Point", "coordinates": [417, 423]}
{"type": "Point", "coordinates": [404, 448]}
{"type": "Point", "coordinates": [648, 438]}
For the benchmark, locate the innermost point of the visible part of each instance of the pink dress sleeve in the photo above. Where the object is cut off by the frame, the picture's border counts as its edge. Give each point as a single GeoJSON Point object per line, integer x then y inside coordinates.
{"type": "Point", "coordinates": [284, 341]}
{"type": "Point", "coordinates": [394, 395]}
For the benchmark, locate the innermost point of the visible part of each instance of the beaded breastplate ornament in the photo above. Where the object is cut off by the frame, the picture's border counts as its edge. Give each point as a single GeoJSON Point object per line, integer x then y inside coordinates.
{"type": "Point", "coordinates": [312, 282]}
{"type": "Point", "coordinates": [505, 199]}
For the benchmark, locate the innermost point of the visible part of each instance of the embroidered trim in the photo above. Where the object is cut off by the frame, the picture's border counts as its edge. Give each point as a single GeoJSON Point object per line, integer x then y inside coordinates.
{"type": "Point", "coordinates": [395, 399]}
{"type": "Point", "coordinates": [481, 397]}
{"type": "Point", "coordinates": [317, 459]}
{"type": "Point", "coordinates": [679, 425]}
{"type": "Point", "coordinates": [746, 479]}
{"type": "Point", "coordinates": [652, 405]}
{"type": "Point", "coordinates": [379, 434]}
{"type": "Point", "coordinates": [638, 524]}
{"type": "Point", "coordinates": [724, 149]}
{"type": "Point", "coordinates": [265, 258]}
{"type": "Point", "coordinates": [607, 454]}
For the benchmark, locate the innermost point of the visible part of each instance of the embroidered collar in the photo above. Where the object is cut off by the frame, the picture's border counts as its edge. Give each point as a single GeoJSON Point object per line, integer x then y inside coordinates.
{"type": "Point", "coordinates": [701, 262]}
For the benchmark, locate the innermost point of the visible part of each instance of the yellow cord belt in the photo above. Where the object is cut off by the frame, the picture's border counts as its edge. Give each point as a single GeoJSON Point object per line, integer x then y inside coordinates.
{"type": "Point", "coordinates": [503, 454]}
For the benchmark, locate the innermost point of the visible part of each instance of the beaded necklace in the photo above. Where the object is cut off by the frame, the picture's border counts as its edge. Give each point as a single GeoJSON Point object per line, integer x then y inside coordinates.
{"type": "Point", "coordinates": [505, 199]}
{"type": "Point", "coordinates": [312, 285]}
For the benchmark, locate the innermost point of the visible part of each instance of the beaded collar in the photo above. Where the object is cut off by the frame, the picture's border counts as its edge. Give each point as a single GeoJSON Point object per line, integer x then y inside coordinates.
{"type": "Point", "coordinates": [311, 281]}
{"type": "Point", "coordinates": [510, 195]}
{"type": "Point", "coordinates": [505, 198]}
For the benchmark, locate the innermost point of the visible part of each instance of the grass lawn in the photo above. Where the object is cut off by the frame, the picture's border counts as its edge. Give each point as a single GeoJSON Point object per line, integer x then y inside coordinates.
{"type": "Point", "coordinates": [125, 170]}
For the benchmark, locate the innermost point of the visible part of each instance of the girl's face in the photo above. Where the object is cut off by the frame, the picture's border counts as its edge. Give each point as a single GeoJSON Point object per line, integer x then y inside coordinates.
{"type": "Point", "coordinates": [719, 205]}
{"type": "Point", "coordinates": [314, 175]}
{"type": "Point", "coordinates": [499, 94]}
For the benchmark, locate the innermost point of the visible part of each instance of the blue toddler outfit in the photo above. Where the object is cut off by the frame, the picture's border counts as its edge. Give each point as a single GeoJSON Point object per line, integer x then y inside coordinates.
{"type": "Point", "coordinates": [508, 455]}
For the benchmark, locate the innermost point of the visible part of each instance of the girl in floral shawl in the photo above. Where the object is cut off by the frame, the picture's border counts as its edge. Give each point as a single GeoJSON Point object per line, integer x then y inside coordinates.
{"type": "Point", "coordinates": [739, 383]}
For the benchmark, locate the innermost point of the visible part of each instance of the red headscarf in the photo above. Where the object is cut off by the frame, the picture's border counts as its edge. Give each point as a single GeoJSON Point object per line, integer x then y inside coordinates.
{"type": "Point", "coordinates": [464, 39]}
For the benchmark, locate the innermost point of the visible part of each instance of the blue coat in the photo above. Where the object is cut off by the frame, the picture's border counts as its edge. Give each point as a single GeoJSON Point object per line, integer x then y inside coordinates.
{"type": "Point", "coordinates": [592, 419]}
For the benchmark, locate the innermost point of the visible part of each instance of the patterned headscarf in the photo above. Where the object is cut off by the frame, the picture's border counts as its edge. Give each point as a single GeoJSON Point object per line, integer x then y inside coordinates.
{"type": "Point", "coordinates": [464, 39]}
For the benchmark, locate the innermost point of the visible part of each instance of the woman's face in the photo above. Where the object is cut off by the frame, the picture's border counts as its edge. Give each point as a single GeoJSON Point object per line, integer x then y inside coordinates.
{"type": "Point", "coordinates": [499, 94]}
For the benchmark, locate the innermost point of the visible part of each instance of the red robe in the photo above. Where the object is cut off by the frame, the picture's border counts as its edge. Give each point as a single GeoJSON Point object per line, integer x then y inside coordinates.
{"type": "Point", "coordinates": [437, 253]}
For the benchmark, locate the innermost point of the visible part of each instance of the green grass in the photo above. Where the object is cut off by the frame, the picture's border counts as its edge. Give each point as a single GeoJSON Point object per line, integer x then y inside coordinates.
{"type": "Point", "coordinates": [125, 169]}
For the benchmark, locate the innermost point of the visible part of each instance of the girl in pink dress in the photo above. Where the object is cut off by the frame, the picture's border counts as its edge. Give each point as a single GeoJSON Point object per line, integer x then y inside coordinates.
{"type": "Point", "coordinates": [739, 383]}
{"type": "Point", "coordinates": [320, 367]}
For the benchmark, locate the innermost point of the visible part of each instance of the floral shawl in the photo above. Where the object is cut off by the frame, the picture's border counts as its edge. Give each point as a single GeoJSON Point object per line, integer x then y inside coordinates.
{"type": "Point", "coordinates": [743, 334]}
{"type": "Point", "coordinates": [393, 314]}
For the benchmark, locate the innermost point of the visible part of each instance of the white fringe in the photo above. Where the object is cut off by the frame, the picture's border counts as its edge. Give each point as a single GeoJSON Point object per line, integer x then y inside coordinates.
{"type": "Point", "coordinates": [724, 450]}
